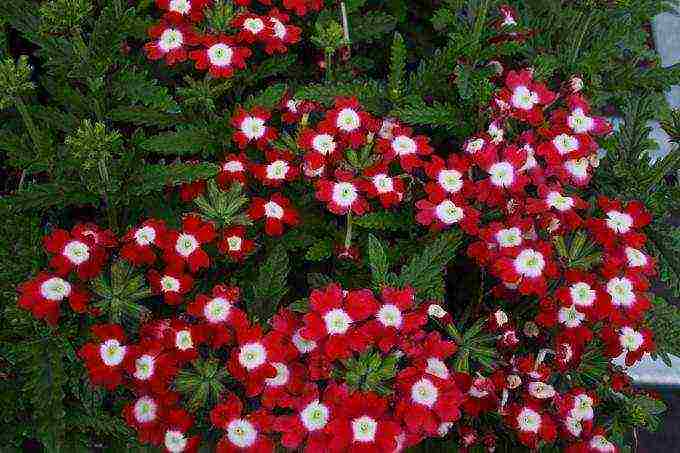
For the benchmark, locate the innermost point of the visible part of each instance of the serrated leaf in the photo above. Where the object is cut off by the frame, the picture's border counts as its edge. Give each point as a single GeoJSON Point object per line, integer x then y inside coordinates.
{"type": "Point", "coordinates": [321, 250]}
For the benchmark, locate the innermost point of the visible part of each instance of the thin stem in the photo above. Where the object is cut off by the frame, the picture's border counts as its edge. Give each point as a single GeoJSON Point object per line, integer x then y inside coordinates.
{"type": "Point", "coordinates": [348, 235]}
{"type": "Point", "coordinates": [110, 209]}
{"type": "Point", "coordinates": [328, 60]}
{"type": "Point", "coordinates": [345, 27]}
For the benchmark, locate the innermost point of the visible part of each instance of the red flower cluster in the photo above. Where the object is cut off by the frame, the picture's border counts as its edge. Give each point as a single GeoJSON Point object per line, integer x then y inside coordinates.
{"type": "Point", "coordinates": [175, 38]}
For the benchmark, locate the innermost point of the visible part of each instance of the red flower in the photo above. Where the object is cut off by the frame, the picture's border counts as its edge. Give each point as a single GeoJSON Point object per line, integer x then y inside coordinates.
{"type": "Point", "coordinates": [405, 147]}
{"type": "Point", "coordinates": [244, 432]}
{"type": "Point", "coordinates": [342, 195]}
{"type": "Point", "coordinates": [75, 253]}
{"type": "Point", "coordinates": [525, 96]}
{"type": "Point", "coordinates": [301, 7]}
{"type": "Point", "coordinates": [138, 242]}
{"type": "Point", "coordinates": [278, 169]}
{"type": "Point", "coordinates": [146, 414]}
{"type": "Point", "coordinates": [219, 312]}
{"type": "Point", "coordinates": [349, 121]}
{"type": "Point", "coordinates": [172, 284]}
{"type": "Point", "coordinates": [447, 178]}
{"type": "Point", "coordinates": [184, 247]}
{"type": "Point", "coordinates": [276, 211]}
{"type": "Point", "coordinates": [443, 213]}
{"type": "Point", "coordinates": [627, 340]}
{"type": "Point", "coordinates": [528, 268]}
{"type": "Point", "coordinates": [556, 207]}
{"type": "Point", "coordinates": [181, 340]}
{"type": "Point", "coordinates": [232, 169]}
{"type": "Point", "coordinates": [532, 424]}
{"type": "Point", "coordinates": [564, 146]}
{"type": "Point", "coordinates": [281, 34]}
{"type": "Point", "coordinates": [579, 120]}
{"type": "Point", "coordinates": [252, 28]}
{"type": "Point", "coordinates": [379, 184]}
{"type": "Point", "coordinates": [175, 437]}
{"type": "Point", "coordinates": [321, 146]}
{"type": "Point", "coordinates": [171, 37]}
{"type": "Point", "coordinates": [189, 191]}
{"type": "Point", "coordinates": [191, 9]}
{"type": "Point", "coordinates": [332, 316]}
{"type": "Point", "coordinates": [151, 368]}
{"type": "Point", "coordinates": [504, 178]}
{"type": "Point", "coordinates": [251, 362]}
{"type": "Point", "coordinates": [220, 56]}
{"type": "Point", "coordinates": [235, 244]}
{"type": "Point", "coordinates": [102, 238]}
{"type": "Point", "coordinates": [43, 294]}
{"type": "Point", "coordinates": [363, 423]}
{"type": "Point", "coordinates": [426, 401]}
{"type": "Point", "coordinates": [307, 425]}
{"type": "Point", "coordinates": [621, 225]}
{"type": "Point", "coordinates": [252, 127]}
{"type": "Point", "coordinates": [108, 357]}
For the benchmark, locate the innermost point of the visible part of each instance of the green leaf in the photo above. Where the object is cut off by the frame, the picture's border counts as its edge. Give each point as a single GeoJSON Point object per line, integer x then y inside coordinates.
{"type": "Point", "coordinates": [382, 220]}
{"type": "Point", "coordinates": [425, 270]}
{"type": "Point", "coordinates": [271, 283]}
{"type": "Point", "coordinates": [377, 261]}
{"type": "Point", "coordinates": [320, 251]}
{"type": "Point", "coordinates": [269, 98]}
{"type": "Point", "coordinates": [370, 26]}
{"type": "Point", "coordinates": [223, 207]}
{"type": "Point", "coordinates": [187, 141]}
{"type": "Point", "coordinates": [156, 177]}
{"type": "Point", "coordinates": [118, 294]}
{"type": "Point", "coordinates": [397, 67]}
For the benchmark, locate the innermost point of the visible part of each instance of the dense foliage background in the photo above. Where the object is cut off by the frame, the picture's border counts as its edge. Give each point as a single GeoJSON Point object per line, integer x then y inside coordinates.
{"type": "Point", "coordinates": [90, 129]}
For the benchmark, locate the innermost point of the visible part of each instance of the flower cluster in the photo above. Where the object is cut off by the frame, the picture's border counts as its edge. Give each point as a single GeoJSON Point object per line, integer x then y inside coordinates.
{"type": "Point", "coordinates": [176, 38]}
{"type": "Point", "coordinates": [354, 370]}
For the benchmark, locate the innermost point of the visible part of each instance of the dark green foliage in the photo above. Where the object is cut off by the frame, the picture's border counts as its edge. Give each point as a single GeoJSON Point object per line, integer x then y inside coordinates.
{"type": "Point", "coordinates": [664, 318]}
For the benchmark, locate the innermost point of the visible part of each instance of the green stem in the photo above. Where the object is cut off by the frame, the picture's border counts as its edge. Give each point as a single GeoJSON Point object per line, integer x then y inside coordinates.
{"type": "Point", "coordinates": [28, 122]}
{"type": "Point", "coordinates": [110, 209]}
{"type": "Point", "coordinates": [328, 54]}
{"type": "Point", "coordinates": [348, 235]}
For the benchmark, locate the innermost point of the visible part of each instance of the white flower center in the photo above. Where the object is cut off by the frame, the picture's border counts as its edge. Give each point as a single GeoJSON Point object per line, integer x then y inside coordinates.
{"type": "Point", "coordinates": [565, 143]}
{"type": "Point", "coordinates": [582, 294]}
{"type": "Point", "coordinates": [171, 39]}
{"type": "Point", "coordinates": [529, 263]}
{"type": "Point", "coordinates": [424, 392]}
{"type": "Point", "coordinates": [144, 367]}
{"type": "Point", "coordinates": [145, 235]}
{"type": "Point", "coordinates": [282, 375]}
{"type": "Point", "coordinates": [344, 194]}
{"type": "Point", "coordinates": [577, 167]}
{"type": "Point", "coordinates": [233, 166]}
{"type": "Point", "coordinates": [180, 6]}
{"type": "Point", "coordinates": [389, 315]}
{"type": "Point", "coordinates": [579, 122]}
{"type": "Point", "coordinates": [450, 180]}
{"type": "Point", "coordinates": [559, 202]}
{"type": "Point", "coordinates": [573, 425]}
{"type": "Point", "coordinates": [279, 28]}
{"type": "Point", "coordinates": [111, 352]}
{"type": "Point", "coordinates": [292, 105]}
{"type": "Point", "coordinates": [145, 409]}
{"type": "Point", "coordinates": [364, 429]}
{"type": "Point", "coordinates": [252, 355]}
{"type": "Point", "coordinates": [234, 243]}
{"type": "Point", "coordinates": [630, 339]}
{"type": "Point", "coordinates": [315, 416]}
{"type": "Point", "coordinates": [404, 145]}
{"type": "Point", "coordinates": [509, 237]}
{"type": "Point", "coordinates": [55, 289]}
{"type": "Point", "coordinates": [599, 443]}
{"type": "Point", "coordinates": [323, 144]}
{"type": "Point", "coordinates": [241, 433]}
{"type": "Point", "coordinates": [273, 210]}
{"type": "Point", "coordinates": [502, 174]}
{"type": "Point", "coordinates": [337, 321]}
{"type": "Point", "coordinates": [436, 311]}
{"type": "Point", "coordinates": [621, 291]}
{"type": "Point", "coordinates": [583, 407]}
{"type": "Point", "coordinates": [541, 390]}
{"type": "Point", "coordinates": [473, 146]}
{"type": "Point", "coordinates": [183, 340]}
{"type": "Point", "coordinates": [529, 420]}
{"type": "Point", "coordinates": [253, 25]}
{"type": "Point", "coordinates": [383, 183]}
{"type": "Point", "coordinates": [77, 252]}
{"type": "Point", "coordinates": [437, 368]}
{"type": "Point", "coordinates": [501, 318]}
{"type": "Point", "coordinates": [448, 212]}
{"type": "Point", "coordinates": [175, 441]}
{"type": "Point", "coordinates": [253, 127]}
{"type": "Point", "coordinates": [444, 428]}
{"type": "Point", "coordinates": [277, 169]}
{"type": "Point", "coordinates": [169, 284]}
{"type": "Point", "coordinates": [186, 244]}
{"type": "Point", "coordinates": [523, 98]}
{"type": "Point", "coordinates": [220, 54]}
{"type": "Point", "coordinates": [348, 120]}
{"type": "Point", "coordinates": [635, 257]}
{"type": "Point", "coordinates": [620, 222]}
{"type": "Point", "coordinates": [570, 317]}
{"type": "Point", "coordinates": [217, 310]}
{"type": "Point", "coordinates": [303, 345]}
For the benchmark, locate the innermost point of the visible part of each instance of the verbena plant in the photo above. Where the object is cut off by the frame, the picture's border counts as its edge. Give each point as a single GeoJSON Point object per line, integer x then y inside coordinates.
{"type": "Point", "coordinates": [332, 225]}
